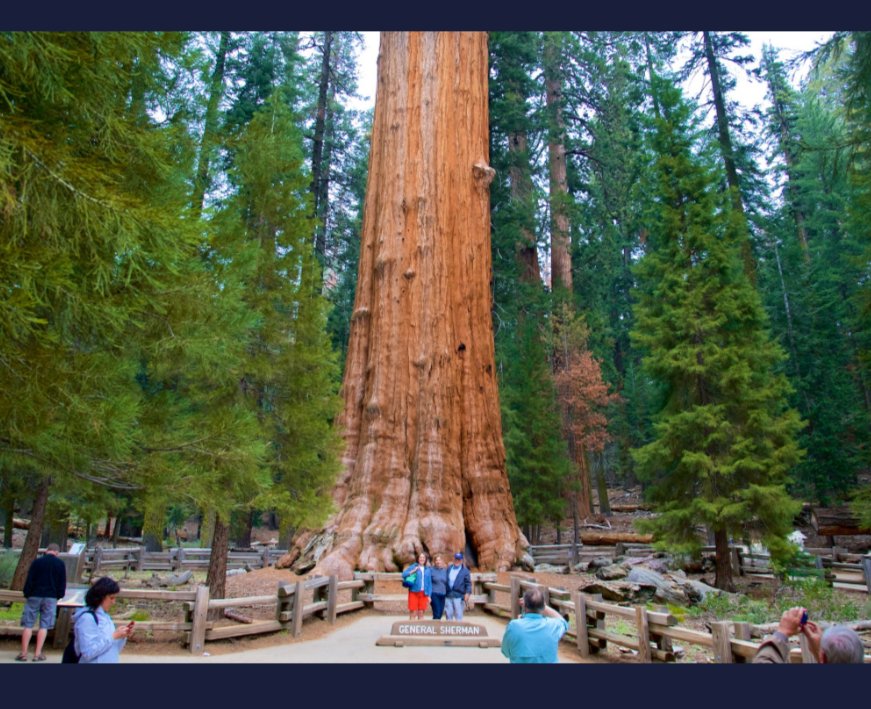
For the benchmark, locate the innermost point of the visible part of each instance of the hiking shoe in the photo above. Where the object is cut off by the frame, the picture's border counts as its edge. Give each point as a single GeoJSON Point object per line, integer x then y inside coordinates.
{"type": "Point", "coordinates": [39, 658]}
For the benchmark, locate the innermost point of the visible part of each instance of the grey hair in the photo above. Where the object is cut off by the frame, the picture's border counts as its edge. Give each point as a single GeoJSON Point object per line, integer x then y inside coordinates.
{"type": "Point", "coordinates": [842, 645]}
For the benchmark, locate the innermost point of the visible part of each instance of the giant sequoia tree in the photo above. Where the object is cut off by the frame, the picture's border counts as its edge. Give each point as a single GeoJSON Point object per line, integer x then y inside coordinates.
{"type": "Point", "coordinates": [424, 463]}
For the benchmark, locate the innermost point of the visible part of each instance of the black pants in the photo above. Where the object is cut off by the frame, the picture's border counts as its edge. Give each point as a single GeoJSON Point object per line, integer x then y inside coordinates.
{"type": "Point", "coordinates": [438, 605]}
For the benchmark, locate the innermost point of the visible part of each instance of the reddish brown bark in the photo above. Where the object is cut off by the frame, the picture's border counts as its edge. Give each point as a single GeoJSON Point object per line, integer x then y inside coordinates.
{"type": "Point", "coordinates": [424, 462]}
{"type": "Point", "coordinates": [521, 191]}
{"type": "Point", "coordinates": [31, 542]}
{"type": "Point", "coordinates": [560, 257]}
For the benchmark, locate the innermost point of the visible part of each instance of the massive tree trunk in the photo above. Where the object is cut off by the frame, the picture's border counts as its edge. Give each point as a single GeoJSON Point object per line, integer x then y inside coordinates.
{"type": "Point", "coordinates": [424, 462]}
{"type": "Point", "coordinates": [31, 541]}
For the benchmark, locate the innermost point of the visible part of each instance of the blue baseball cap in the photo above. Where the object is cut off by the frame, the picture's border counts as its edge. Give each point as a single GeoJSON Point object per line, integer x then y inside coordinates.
{"type": "Point", "coordinates": [458, 555]}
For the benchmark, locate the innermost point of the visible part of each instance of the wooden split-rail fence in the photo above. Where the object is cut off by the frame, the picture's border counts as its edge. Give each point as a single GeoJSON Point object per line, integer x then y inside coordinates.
{"type": "Point", "coordinates": [101, 560]}
{"type": "Point", "coordinates": [845, 571]}
{"type": "Point", "coordinates": [650, 634]}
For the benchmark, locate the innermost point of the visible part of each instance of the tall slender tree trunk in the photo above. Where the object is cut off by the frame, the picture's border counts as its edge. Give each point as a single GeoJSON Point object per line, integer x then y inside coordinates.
{"type": "Point", "coordinates": [210, 128]}
{"type": "Point", "coordinates": [560, 257]}
{"type": "Point", "coordinates": [521, 191]}
{"type": "Point", "coordinates": [152, 525]}
{"type": "Point", "coordinates": [319, 166]}
{"type": "Point", "coordinates": [9, 513]}
{"type": "Point", "coordinates": [216, 579]}
{"type": "Point", "coordinates": [424, 462]}
{"type": "Point", "coordinates": [34, 533]}
{"type": "Point", "coordinates": [724, 561]}
{"type": "Point", "coordinates": [726, 149]}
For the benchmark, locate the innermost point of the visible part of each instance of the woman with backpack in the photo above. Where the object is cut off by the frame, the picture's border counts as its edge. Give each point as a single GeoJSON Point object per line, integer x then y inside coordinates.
{"type": "Point", "coordinates": [97, 641]}
{"type": "Point", "coordinates": [417, 578]}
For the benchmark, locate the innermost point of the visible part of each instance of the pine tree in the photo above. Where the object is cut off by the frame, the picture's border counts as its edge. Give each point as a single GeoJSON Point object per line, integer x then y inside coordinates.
{"type": "Point", "coordinates": [724, 438]}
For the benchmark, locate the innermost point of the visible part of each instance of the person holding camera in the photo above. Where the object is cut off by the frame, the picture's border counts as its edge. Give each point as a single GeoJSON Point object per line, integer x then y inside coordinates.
{"type": "Point", "coordinates": [535, 635]}
{"type": "Point", "coordinates": [97, 640]}
{"type": "Point", "coordinates": [836, 645]}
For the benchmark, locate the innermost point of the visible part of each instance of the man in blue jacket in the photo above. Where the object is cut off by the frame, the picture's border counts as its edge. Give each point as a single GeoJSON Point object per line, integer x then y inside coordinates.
{"type": "Point", "coordinates": [534, 636]}
{"type": "Point", "coordinates": [459, 588]}
{"type": "Point", "coordinates": [46, 584]}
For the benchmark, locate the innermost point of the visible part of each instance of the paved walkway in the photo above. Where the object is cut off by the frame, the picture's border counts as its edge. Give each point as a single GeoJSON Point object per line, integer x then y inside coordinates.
{"type": "Point", "coordinates": [353, 643]}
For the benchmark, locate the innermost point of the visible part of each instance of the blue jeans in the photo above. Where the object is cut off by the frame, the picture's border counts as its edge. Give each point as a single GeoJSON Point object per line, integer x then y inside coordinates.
{"type": "Point", "coordinates": [438, 605]}
{"type": "Point", "coordinates": [454, 608]}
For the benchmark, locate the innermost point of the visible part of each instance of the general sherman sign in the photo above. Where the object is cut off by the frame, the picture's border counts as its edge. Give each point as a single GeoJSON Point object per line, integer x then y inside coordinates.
{"type": "Point", "coordinates": [437, 633]}
{"type": "Point", "coordinates": [468, 630]}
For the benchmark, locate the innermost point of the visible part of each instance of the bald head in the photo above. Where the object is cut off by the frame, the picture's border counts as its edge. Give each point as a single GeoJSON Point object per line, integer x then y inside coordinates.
{"type": "Point", "coordinates": [533, 600]}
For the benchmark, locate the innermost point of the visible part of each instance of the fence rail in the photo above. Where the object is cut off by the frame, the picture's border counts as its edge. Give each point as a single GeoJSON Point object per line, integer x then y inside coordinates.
{"type": "Point", "coordinates": [100, 559]}
{"type": "Point", "coordinates": [654, 632]}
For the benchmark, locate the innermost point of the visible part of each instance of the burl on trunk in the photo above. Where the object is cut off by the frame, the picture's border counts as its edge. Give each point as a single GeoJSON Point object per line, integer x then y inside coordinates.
{"type": "Point", "coordinates": [424, 462]}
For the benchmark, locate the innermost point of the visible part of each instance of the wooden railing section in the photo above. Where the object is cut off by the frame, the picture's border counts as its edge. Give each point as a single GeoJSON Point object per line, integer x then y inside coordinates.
{"type": "Point", "coordinates": [655, 632]}
{"type": "Point", "coordinates": [100, 560]}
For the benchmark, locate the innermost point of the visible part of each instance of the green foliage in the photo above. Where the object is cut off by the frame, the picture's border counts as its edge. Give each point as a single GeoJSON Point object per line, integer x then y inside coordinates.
{"type": "Point", "coordinates": [724, 439]}
{"type": "Point", "coordinates": [721, 606]}
{"type": "Point", "coordinates": [536, 455]}
{"type": "Point", "coordinates": [823, 602]}
{"type": "Point", "coordinates": [8, 562]}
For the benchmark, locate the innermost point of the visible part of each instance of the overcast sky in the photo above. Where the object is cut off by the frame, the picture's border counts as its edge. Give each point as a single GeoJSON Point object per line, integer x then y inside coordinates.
{"type": "Point", "coordinates": [750, 93]}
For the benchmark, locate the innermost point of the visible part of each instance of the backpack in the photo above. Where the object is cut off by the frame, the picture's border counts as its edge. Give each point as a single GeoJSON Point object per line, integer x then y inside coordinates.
{"type": "Point", "coordinates": [70, 655]}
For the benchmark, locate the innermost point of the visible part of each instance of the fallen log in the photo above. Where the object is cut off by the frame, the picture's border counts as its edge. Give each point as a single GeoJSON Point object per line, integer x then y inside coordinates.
{"type": "Point", "coordinates": [836, 521]}
{"type": "Point", "coordinates": [631, 507]}
{"type": "Point", "coordinates": [608, 538]}
{"type": "Point", "coordinates": [233, 614]}
{"type": "Point", "coordinates": [172, 580]}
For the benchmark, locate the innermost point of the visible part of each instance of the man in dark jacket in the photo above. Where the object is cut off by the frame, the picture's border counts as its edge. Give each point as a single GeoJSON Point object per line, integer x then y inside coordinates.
{"type": "Point", "coordinates": [459, 588]}
{"type": "Point", "coordinates": [46, 584]}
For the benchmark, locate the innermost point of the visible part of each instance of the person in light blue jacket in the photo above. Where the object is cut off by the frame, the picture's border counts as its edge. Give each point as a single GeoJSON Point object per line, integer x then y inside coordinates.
{"type": "Point", "coordinates": [97, 640]}
{"type": "Point", "coordinates": [535, 636]}
{"type": "Point", "coordinates": [421, 587]}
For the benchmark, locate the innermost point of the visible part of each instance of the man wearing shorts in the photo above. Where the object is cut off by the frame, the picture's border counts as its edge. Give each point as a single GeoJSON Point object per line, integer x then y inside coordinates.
{"type": "Point", "coordinates": [46, 583]}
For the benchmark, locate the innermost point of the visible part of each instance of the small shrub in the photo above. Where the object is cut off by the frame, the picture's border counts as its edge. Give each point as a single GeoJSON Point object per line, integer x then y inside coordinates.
{"type": "Point", "coordinates": [8, 562]}
{"type": "Point", "coordinates": [13, 612]}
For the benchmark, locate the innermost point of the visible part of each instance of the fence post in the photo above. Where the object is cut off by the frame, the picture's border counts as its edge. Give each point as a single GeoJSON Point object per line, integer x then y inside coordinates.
{"type": "Point", "coordinates": [201, 612]}
{"type": "Point", "coordinates": [297, 610]}
{"type": "Point", "coordinates": [581, 637]}
{"type": "Point", "coordinates": [735, 555]}
{"type": "Point", "coordinates": [332, 599]}
{"type": "Point", "coordinates": [722, 644]}
{"type": "Point", "coordinates": [866, 569]}
{"type": "Point", "coordinates": [643, 634]}
{"type": "Point", "coordinates": [514, 601]}
{"type": "Point", "coordinates": [140, 558]}
{"type": "Point", "coordinates": [264, 558]}
{"type": "Point", "coordinates": [600, 623]}
{"type": "Point", "coordinates": [742, 632]}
